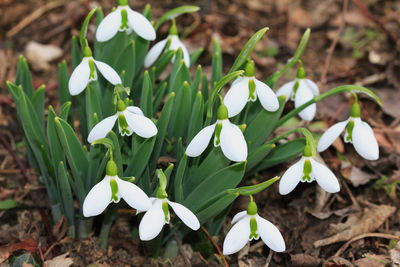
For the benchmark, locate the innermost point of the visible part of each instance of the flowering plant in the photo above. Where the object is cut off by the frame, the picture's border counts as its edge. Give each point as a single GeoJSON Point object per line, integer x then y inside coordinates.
{"type": "Point", "coordinates": [82, 156]}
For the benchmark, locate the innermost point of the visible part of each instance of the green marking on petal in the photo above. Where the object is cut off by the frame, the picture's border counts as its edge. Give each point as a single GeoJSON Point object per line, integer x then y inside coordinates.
{"type": "Point", "coordinates": [114, 190]}
{"type": "Point", "coordinates": [253, 229]}
{"type": "Point", "coordinates": [123, 125]}
{"type": "Point", "coordinates": [124, 21]}
{"type": "Point", "coordinates": [218, 129]}
{"type": "Point", "coordinates": [252, 90]}
{"type": "Point", "coordinates": [349, 131]}
{"type": "Point", "coordinates": [307, 169]}
{"type": "Point", "coordinates": [166, 211]}
{"type": "Point", "coordinates": [92, 68]}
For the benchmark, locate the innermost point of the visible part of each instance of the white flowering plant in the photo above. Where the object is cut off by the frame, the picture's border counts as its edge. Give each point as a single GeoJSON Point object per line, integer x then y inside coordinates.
{"type": "Point", "coordinates": [130, 127]}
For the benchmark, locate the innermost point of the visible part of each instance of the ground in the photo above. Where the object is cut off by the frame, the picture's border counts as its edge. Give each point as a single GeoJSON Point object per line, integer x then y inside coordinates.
{"type": "Point", "coordinates": [352, 42]}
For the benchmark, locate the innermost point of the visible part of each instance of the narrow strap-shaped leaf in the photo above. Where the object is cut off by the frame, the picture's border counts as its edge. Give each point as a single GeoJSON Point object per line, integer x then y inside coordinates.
{"type": "Point", "coordinates": [76, 54]}
{"type": "Point", "coordinates": [38, 103]}
{"type": "Point", "coordinates": [159, 95]}
{"type": "Point", "coordinates": [209, 211]}
{"type": "Point", "coordinates": [258, 155]}
{"type": "Point", "coordinates": [162, 63]}
{"type": "Point", "coordinates": [175, 13]}
{"type": "Point", "coordinates": [182, 108]}
{"type": "Point", "coordinates": [216, 61]}
{"type": "Point", "coordinates": [93, 105]}
{"type": "Point", "coordinates": [117, 152]}
{"type": "Point", "coordinates": [179, 179]}
{"type": "Point", "coordinates": [213, 185]}
{"type": "Point", "coordinates": [197, 116]}
{"type": "Point", "coordinates": [67, 198]}
{"type": "Point", "coordinates": [138, 163]}
{"type": "Point", "coordinates": [248, 49]}
{"type": "Point", "coordinates": [194, 57]}
{"type": "Point", "coordinates": [24, 77]}
{"type": "Point", "coordinates": [146, 100]}
{"type": "Point", "coordinates": [282, 153]}
{"type": "Point", "coordinates": [56, 151]}
{"type": "Point", "coordinates": [65, 110]}
{"type": "Point", "coordinates": [180, 73]}
{"type": "Point", "coordinates": [126, 62]}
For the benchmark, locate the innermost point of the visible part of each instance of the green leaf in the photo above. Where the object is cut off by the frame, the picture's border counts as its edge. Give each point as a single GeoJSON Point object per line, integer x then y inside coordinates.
{"type": "Point", "coordinates": [182, 108]}
{"type": "Point", "coordinates": [215, 207]}
{"type": "Point", "coordinates": [159, 95]}
{"type": "Point", "coordinates": [8, 204]}
{"type": "Point", "coordinates": [126, 62]}
{"type": "Point", "coordinates": [161, 64]}
{"type": "Point", "coordinates": [197, 116]}
{"type": "Point", "coordinates": [227, 178]}
{"type": "Point", "coordinates": [56, 152]}
{"type": "Point", "coordinates": [93, 105]}
{"type": "Point", "coordinates": [175, 13]}
{"type": "Point", "coordinates": [282, 153]}
{"type": "Point", "coordinates": [248, 49]}
{"type": "Point", "coordinates": [38, 102]}
{"type": "Point", "coordinates": [216, 61]}
{"type": "Point", "coordinates": [63, 78]}
{"type": "Point", "coordinates": [116, 148]}
{"type": "Point", "coordinates": [146, 100]}
{"type": "Point", "coordinates": [273, 79]}
{"type": "Point", "coordinates": [24, 77]}
{"type": "Point", "coordinates": [258, 131]}
{"type": "Point", "coordinates": [65, 110]}
{"type": "Point", "coordinates": [258, 155]}
{"type": "Point", "coordinates": [85, 25]}
{"type": "Point", "coordinates": [195, 56]}
{"type": "Point", "coordinates": [140, 159]}
{"type": "Point", "coordinates": [179, 179]}
{"type": "Point", "coordinates": [76, 54]}
{"type": "Point", "coordinates": [179, 74]}
{"type": "Point", "coordinates": [254, 189]}
{"type": "Point", "coordinates": [67, 198]}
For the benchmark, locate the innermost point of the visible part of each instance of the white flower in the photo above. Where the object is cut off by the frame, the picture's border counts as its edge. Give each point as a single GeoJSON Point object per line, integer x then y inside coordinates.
{"type": "Point", "coordinates": [86, 72]}
{"type": "Point", "coordinates": [228, 135]}
{"type": "Point", "coordinates": [357, 132]}
{"type": "Point", "coordinates": [305, 90]}
{"type": "Point", "coordinates": [157, 49]}
{"type": "Point", "coordinates": [158, 215]}
{"type": "Point", "coordinates": [248, 227]}
{"type": "Point", "coordinates": [123, 18]}
{"type": "Point", "coordinates": [246, 89]}
{"type": "Point", "coordinates": [308, 169]}
{"type": "Point", "coordinates": [112, 189]}
{"type": "Point", "coordinates": [130, 119]}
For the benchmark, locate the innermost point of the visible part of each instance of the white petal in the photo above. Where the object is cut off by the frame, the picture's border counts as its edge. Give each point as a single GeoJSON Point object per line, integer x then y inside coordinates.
{"type": "Point", "coordinates": [133, 195]}
{"type": "Point", "coordinates": [364, 140]}
{"type": "Point", "coordinates": [237, 237]}
{"type": "Point", "coordinates": [291, 178]}
{"type": "Point", "coordinates": [141, 25]}
{"type": "Point", "coordinates": [266, 96]}
{"type": "Point", "coordinates": [237, 96]}
{"type": "Point", "coordinates": [303, 95]}
{"type": "Point", "coordinates": [200, 142]}
{"type": "Point", "coordinates": [153, 221]}
{"type": "Point", "coordinates": [135, 110]}
{"type": "Point", "coordinates": [270, 234]}
{"type": "Point", "coordinates": [325, 177]}
{"type": "Point", "coordinates": [154, 53]}
{"type": "Point", "coordinates": [312, 85]}
{"type": "Point", "coordinates": [97, 199]}
{"type": "Point", "coordinates": [176, 43]}
{"type": "Point", "coordinates": [141, 125]}
{"type": "Point", "coordinates": [79, 78]}
{"type": "Point", "coordinates": [330, 135]}
{"type": "Point", "coordinates": [108, 73]}
{"type": "Point", "coordinates": [101, 129]}
{"type": "Point", "coordinates": [185, 215]}
{"type": "Point", "coordinates": [109, 26]}
{"type": "Point", "coordinates": [286, 90]}
{"type": "Point", "coordinates": [233, 144]}
{"type": "Point", "coordinates": [238, 216]}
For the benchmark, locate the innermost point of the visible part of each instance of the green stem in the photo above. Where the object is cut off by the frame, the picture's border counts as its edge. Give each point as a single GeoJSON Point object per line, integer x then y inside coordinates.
{"type": "Point", "coordinates": [334, 91]}
{"type": "Point", "coordinates": [106, 226]}
{"type": "Point", "coordinates": [285, 135]}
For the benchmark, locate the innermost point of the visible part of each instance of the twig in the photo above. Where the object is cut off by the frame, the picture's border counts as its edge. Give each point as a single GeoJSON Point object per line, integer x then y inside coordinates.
{"type": "Point", "coordinates": [344, 247]}
{"type": "Point", "coordinates": [209, 237]}
{"type": "Point", "coordinates": [332, 47]}
{"type": "Point", "coordinates": [33, 16]}
{"type": "Point", "coordinates": [269, 258]}
{"type": "Point", "coordinates": [353, 199]}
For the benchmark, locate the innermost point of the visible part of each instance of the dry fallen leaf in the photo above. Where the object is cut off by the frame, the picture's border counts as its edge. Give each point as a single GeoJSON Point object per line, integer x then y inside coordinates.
{"type": "Point", "coordinates": [395, 255]}
{"type": "Point", "coordinates": [372, 260]}
{"type": "Point", "coordinates": [304, 260]}
{"type": "Point", "coordinates": [358, 223]}
{"type": "Point", "coordinates": [357, 176]}
{"type": "Point", "coordinates": [40, 55]}
{"type": "Point", "coordinates": [59, 261]}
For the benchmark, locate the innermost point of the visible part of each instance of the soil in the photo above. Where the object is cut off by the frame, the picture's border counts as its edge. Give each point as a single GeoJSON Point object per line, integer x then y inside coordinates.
{"type": "Point", "coordinates": [354, 44]}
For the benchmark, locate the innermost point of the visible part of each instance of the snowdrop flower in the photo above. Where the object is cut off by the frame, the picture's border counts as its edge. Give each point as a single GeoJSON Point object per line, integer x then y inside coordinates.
{"type": "Point", "coordinates": [174, 44]}
{"type": "Point", "coordinates": [227, 135]}
{"type": "Point", "coordinates": [130, 120]}
{"type": "Point", "coordinates": [123, 18]}
{"type": "Point", "coordinates": [307, 169]}
{"type": "Point", "coordinates": [158, 215]}
{"type": "Point", "coordinates": [86, 72]}
{"type": "Point", "coordinates": [248, 88]}
{"type": "Point", "coordinates": [357, 132]}
{"type": "Point", "coordinates": [247, 226]}
{"type": "Point", "coordinates": [301, 91]}
{"type": "Point", "coordinates": [112, 189]}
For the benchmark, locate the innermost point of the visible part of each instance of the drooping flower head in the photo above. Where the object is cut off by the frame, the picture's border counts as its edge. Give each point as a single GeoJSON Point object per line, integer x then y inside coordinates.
{"type": "Point", "coordinates": [226, 134]}
{"type": "Point", "coordinates": [86, 72]}
{"type": "Point", "coordinates": [158, 215]}
{"type": "Point", "coordinates": [248, 88]}
{"type": "Point", "coordinates": [307, 169]}
{"type": "Point", "coordinates": [357, 132]}
{"type": "Point", "coordinates": [130, 120]}
{"type": "Point", "coordinates": [112, 189]}
{"type": "Point", "coordinates": [171, 43]}
{"type": "Point", "coordinates": [247, 226]}
{"type": "Point", "coordinates": [301, 91]}
{"type": "Point", "coordinates": [124, 19]}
